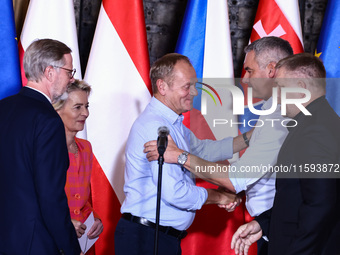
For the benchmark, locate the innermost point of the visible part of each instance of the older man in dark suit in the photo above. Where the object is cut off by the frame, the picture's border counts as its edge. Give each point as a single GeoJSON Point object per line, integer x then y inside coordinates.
{"type": "Point", "coordinates": [34, 214]}
{"type": "Point", "coordinates": [305, 216]}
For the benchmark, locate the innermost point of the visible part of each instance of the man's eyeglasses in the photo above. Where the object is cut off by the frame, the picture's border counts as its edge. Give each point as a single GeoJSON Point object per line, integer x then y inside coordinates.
{"type": "Point", "coordinates": [71, 72]}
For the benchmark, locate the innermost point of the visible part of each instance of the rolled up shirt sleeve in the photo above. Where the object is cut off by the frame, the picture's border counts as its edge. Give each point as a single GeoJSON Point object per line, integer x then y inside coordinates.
{"type": "Point", "coordinates": [211, 150]}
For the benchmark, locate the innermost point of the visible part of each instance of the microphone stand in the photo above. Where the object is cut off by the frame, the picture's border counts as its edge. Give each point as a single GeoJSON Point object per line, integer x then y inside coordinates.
{"type": "Point", "coordinates": [158, 204]}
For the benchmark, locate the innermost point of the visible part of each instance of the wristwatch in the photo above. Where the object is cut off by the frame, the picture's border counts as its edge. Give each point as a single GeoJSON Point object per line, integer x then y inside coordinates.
{"type": "Point", "coordinates": [245, 138]}
{"type": "Point", "coordinates": [182, 158]}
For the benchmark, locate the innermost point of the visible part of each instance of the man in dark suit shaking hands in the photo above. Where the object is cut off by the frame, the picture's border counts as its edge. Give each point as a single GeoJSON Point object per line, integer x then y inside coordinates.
{"type": "Point", "coordinates": [305, 218]}
{"type": "Point", "coordinates": [34, 214]}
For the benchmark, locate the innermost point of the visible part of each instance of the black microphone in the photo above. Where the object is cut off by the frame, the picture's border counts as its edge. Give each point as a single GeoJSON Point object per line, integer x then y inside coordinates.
{"type": "Point", "coordinates": [162, 140]}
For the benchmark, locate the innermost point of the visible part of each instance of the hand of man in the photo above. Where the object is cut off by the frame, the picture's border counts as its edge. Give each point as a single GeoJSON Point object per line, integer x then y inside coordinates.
{"type": "Point", "coordinates": [220, 197]}
{"type": "Point", "coordinates": [229, 207]}
{"type": "Point", "coordinates": [227, 198]}
{"type": "Point", "coordinates": [232, 206]}
{"type": "Point", "coordinates": [80, 227]}
{"type": "Point", "coordinates": [245, 236]}
{"type": "Point", "coordinates": [96, 229]}
{"type": "Point", "coordinates": [170, 156]}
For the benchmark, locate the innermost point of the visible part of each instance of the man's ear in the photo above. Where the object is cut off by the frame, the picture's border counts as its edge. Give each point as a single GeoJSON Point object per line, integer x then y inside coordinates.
{"type": "Point", "coordinates": [271, 69]}
{"type": "Point", "coordinates": [161, 86]}
{"type": "Point", "coordinates": [302, 84]}
{"type": "Point", "coordinates": [49, 73]}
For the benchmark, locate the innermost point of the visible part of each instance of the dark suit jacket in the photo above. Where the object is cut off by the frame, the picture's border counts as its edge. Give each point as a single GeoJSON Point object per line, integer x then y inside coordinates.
{"type": "Point", "coordinates": [305, 215]}
{"type": "Point", "coordinates": [34, 214]}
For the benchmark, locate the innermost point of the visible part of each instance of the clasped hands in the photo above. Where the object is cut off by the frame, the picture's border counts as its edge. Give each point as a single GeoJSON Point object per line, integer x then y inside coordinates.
{"type": "Point", "coordinates": [225, 199]}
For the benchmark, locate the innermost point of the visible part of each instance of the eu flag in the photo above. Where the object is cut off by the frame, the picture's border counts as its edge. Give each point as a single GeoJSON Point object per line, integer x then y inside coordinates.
{"type": "Point", "coordinates": [10, 80]}
{"type": "Point", "coordinates": [328, 49]}
{"type": "Point", "coordinates": [205, 39]}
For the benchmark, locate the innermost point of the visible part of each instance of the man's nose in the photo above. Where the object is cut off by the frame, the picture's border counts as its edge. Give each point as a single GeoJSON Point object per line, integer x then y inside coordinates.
{"type": "Point", "coordinates": [193, 91]}
{"type": "Point", "coordinates": [245, 78]}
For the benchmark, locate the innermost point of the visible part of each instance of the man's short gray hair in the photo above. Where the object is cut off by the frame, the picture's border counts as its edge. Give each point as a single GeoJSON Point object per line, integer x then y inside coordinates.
{"type": "Point", "coordinates": [269, 49]}
{"type": "Point", "coordinates": [41, 54]}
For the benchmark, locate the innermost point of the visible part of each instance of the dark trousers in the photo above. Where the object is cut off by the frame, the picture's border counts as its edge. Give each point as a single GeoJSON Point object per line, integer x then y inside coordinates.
{"type": "Point", "coordinates": [134, 239]}
{"type": "Point", "coordinates": [262, 247]}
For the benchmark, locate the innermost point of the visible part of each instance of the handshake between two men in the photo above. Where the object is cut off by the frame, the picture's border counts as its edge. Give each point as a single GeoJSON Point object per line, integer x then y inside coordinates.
{"type": "Point", "coordinates": [223, 197]}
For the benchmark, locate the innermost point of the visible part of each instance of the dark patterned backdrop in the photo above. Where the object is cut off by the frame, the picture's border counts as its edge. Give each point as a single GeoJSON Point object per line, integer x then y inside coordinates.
{"type": "Point", "coordinates": [163, 21]}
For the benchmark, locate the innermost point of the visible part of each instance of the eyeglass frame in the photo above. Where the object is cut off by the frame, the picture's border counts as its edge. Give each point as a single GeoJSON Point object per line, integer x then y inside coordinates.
{"type": "Point", "coordinates": [72, 72]}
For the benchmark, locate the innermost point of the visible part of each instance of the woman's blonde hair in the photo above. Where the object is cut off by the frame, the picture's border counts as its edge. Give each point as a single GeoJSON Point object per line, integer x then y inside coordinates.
{"type": "Point", "coordinates": [74, 86]}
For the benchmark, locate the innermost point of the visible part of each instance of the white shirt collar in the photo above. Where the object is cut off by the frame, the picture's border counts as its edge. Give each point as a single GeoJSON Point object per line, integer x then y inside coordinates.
{"type": "Point", "coordinates": [41, 93]}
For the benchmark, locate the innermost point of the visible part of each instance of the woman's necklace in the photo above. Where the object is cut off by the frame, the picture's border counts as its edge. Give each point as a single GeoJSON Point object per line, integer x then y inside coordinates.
{"type": "Point", "coordinates": [76, 149]}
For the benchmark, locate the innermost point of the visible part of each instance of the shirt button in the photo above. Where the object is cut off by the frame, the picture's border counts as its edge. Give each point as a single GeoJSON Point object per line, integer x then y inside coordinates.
{"type": "Point", "coordinates": [76, 212]}
{"type": "Point", "coordinates": [77, 196]}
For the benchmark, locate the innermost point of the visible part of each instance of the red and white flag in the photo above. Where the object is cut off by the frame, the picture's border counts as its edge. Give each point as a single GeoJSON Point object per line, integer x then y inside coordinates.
{"type": "Point", "coordinates": [118, 71]}
{"type": "Point", "coordinates": [279, 18]}
{"type": "Point", "coordinates": [52, 19]}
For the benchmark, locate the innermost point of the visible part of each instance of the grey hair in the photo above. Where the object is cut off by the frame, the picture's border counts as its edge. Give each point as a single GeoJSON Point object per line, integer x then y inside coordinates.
{"type": "Point", "coordinates": [77, 85]}
{"type": "Point", "coordinates": [41, 54]}
{"type": "Point", "coordinates": [269, 49]}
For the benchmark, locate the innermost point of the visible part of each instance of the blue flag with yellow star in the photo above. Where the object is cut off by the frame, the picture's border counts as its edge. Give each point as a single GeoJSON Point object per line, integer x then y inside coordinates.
{"type": "Point", "coordinates": [328, 49]}
{"type": "Point", "coordinates": [10, 79]}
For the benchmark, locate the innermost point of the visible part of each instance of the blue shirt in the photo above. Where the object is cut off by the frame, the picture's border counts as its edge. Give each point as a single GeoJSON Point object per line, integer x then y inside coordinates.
{"type": "Point", "coordinates": [180, 196]}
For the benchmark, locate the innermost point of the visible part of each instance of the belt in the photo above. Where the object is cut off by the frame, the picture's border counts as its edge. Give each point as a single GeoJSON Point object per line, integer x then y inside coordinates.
{"type": "Point", "coordinates": [167, 230]}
